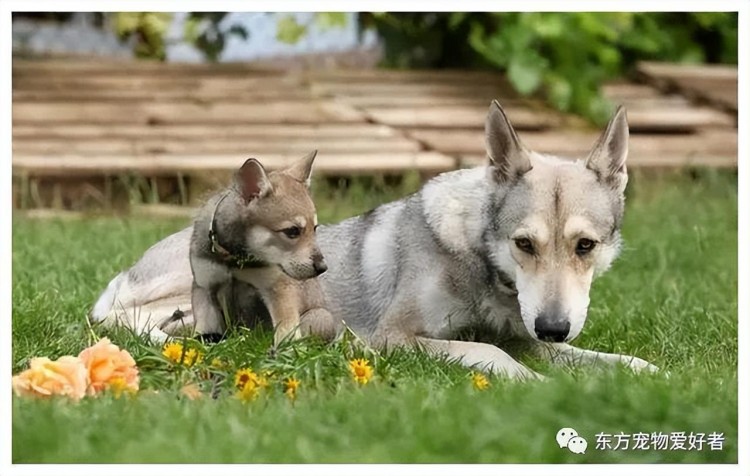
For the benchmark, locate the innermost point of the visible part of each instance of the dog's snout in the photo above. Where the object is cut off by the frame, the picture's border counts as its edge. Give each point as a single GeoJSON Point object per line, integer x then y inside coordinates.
{"type": "Point", "coordinates": [320, 266]}
{"type": "Point", "coordinates": [551, 330]}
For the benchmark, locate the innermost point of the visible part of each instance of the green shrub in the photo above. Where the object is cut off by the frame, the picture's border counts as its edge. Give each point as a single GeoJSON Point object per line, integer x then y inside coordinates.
{"type": "Point", "coordinates": [564, 57]}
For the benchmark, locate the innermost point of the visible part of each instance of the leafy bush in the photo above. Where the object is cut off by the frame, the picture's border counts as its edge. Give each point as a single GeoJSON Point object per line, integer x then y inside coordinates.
{"type": "Point", "coordinates": [564, 57]}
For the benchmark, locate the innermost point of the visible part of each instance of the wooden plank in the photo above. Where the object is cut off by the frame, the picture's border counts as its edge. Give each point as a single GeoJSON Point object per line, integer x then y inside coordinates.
{"type": "Point", "coordinates": [104, 66]}
{"type": "Point", "coordinates": [678, 70]}
{"type": "Point", "coordinates": [578, 143]}
{"type": "Point", "coordinates": [181, 113]}
{"type": "Point", "coordinates": [424, 100]}
{"type": "Point", "coordinates": [127, 82]}
{"type": "Point", "coordinates": [161, 210]}
{"type": "Point", "coordinates": [677, 119]}
{"type": "Point", "coordinates": [109, 67]}
{"type": "Point", "coordinates": [165, 95]}
{"type": "Point", "coordinates": [641, 95]}
{"type": "Point", "coordinates": [667, 162]}
{"type": "Point", "coordinates": [160, 164]}
{"type": "Point", "coordinates": [139, 147]}
{"type": "Point", "coordinates": [202, 132]}
{"type": "Point", "coordinates": [381, 76]}
{"type": "Point", "coordinates": [399, 90]}
{"type": "Point", "coordinates": [460, 117]}
{"type": "Point", "coordinates": [620, 91]}
{"type": "Point", "coordinates": [715, 84]}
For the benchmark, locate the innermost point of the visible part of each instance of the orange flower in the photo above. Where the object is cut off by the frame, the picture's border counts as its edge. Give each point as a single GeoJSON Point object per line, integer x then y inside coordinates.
{"type": "Point", "coordinates": [108, 365]}
{"type": "Point", "coordinates": [65, 376]}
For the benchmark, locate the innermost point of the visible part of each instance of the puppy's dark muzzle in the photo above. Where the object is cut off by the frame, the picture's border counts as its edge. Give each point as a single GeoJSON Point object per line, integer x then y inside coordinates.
{"type": "Point", "coordinates": [551, 330]}
{"type": "Point", "coordinates": [320, 267]}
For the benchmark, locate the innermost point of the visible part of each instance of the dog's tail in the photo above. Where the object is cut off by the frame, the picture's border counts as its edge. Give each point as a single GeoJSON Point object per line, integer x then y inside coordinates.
{"type": "Point", "coordinates": [106, 301]}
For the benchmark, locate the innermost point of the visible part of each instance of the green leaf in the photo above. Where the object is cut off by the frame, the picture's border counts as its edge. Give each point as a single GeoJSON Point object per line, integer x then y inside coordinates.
{"type": "Point", "coordinates": [525, 73]}
{"type": "Point", "coordinates": [289, 31]}
{"type": "Point", "coordinates": [330, 20]}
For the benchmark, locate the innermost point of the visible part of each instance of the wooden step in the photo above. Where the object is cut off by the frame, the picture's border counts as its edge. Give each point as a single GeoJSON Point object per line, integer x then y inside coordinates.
{"type": "Point", "coordinates": [285, 145]}
{"type": "Point", "coordinates": [716, 143]}
{"type": "Point", "coordinates": [202, 132]}
{"type": "Point", "coordinates": [182, 113]}
{"type": "Point", "coordinates": [714, 84]}
{"type": "Point", "coordinates": [458, 117]}
{"type": "Point", "coordinates": [61, 165]}
{"type": "Point", "coordinates": [577, 144]}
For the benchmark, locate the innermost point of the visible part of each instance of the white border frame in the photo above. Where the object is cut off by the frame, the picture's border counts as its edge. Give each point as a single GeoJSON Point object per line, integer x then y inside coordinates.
{"type": "Point", "coordinates": [743, 6]}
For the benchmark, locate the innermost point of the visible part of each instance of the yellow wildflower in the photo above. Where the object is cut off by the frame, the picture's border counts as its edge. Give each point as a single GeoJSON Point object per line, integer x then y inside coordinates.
{"type": "Point", "coordinates": [172, 351]}
{"type": "Point", "coordinates": [178, 354]}
{"type": "Point", "coordinates": [479, 381]}
{"type": "Point", "coordinates": [244, 377]}
{"type": "Point", "coordinates": [217, 363]}
{"type": "Point", "coordinates": [118, 385]}
{"type": "Point", "coordinates": [361, 370]}
{"type": "Point", "coordinates": [192, 357]}
{"type": "Point", "coordinates": [248, 392]}
{"type": "Point", "coordinates": [290, 387]}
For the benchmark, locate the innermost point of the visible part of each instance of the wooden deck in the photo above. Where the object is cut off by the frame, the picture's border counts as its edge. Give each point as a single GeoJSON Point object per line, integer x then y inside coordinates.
{"type": "Point", "coordinates": [78, 120]}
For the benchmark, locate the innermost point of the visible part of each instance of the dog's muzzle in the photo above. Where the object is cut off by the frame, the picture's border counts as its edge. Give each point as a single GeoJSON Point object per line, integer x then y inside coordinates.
{"type": "Point", "coordinates": [548, 329]}
{"type": "Point", "coordinates": [320, 267]}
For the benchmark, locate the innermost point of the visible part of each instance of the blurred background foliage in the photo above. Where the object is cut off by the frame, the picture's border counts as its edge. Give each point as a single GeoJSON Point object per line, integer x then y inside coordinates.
{"type": "Point", "coordinates": [560, 57]}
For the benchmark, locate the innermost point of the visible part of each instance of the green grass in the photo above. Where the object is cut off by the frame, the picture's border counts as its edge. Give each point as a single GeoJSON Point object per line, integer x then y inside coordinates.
{"type": "Point", "coordinates": [671, 298]}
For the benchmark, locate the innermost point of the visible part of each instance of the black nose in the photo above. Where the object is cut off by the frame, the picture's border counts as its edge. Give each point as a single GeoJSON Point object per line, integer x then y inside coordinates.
{"type": "Point", "coordinates": [551, 330]}
{"type": "Point", "coordinates": [320, 267]}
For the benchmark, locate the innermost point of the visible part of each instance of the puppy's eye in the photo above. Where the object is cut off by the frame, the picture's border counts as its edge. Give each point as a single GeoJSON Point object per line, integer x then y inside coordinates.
{"type": "Point", "coordinates": [584, 246]}
{"type": "Point", "coordinates": [524, 244]}
{"type": "Point", "coordinates": [292, 232]}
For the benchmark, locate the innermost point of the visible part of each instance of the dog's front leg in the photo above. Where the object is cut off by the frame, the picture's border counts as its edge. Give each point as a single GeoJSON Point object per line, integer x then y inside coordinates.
{"type": "Point", "coordinates": [482, 356]}
{"type": "Point", "coordinates": [283, 306]}
{"type": "Point", "coordinates": [207, 311]}
{"type": "Point", "coordinates": [566, 354]}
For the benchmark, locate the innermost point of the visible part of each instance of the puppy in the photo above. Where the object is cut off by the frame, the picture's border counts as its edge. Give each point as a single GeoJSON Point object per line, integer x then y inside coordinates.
{"type": "Point", "coordinates": [260, 232]}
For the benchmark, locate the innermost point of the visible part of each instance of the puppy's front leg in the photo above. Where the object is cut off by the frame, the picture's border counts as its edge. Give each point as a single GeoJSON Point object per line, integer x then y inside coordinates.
{"type": "Point", "coordinates": [485, 357]}
{"type": "Point", "coordinates": [566, 354]}
{"type": "Point", "coordinates": [207, 312]}
{"type": "Point", "coordinates": [283, 305]}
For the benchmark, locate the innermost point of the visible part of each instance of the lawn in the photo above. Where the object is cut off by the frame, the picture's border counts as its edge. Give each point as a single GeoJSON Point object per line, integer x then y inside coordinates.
{"type": "Point", "coordinates": [671, 299]}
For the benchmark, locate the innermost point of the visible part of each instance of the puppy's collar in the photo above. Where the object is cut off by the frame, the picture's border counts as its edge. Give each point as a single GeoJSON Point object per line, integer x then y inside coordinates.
{"type": "Point", "coordinates": [233, 260]}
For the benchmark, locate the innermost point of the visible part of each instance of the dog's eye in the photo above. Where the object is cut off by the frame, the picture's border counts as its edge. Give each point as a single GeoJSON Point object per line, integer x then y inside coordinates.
{"type": "Point", "coordinates": [584, 246]}
{"type": "Point", "coordinates": [524, 244]}
{"type": "Point", "coordinates": [292, 232]}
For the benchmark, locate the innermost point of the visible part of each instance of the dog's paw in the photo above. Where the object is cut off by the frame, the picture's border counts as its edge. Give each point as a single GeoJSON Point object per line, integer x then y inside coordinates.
{"type": "Point", "coordinates": [211, 338]}
{"type": "Point", "coordinates": [286, 335]}
{"type": "Point", "coordinates": [515, 372]}
{"type": "Point", "coordinates": [639, 365]}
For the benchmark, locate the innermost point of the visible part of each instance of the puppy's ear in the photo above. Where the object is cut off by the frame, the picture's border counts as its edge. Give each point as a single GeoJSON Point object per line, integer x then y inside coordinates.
{"type": "Point", "coordinates": [505, 151]}
{"type": "Point", "coordinates": [301, 170]}
{"type": "Point", "coordinates": [607, 158]}
{"type": "Point", "coordinates": [252, 180]}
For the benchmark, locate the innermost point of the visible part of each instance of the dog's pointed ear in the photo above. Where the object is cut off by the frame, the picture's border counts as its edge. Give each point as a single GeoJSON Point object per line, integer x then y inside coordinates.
{"type": "Point", "coordinates": [301, 170]}
{"type": "Point", "coordinates": [607, 158]}
{"type": "Point", "coordinates": [507, 155]}
{"type": "Point", "coordinates": [252, 180]}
